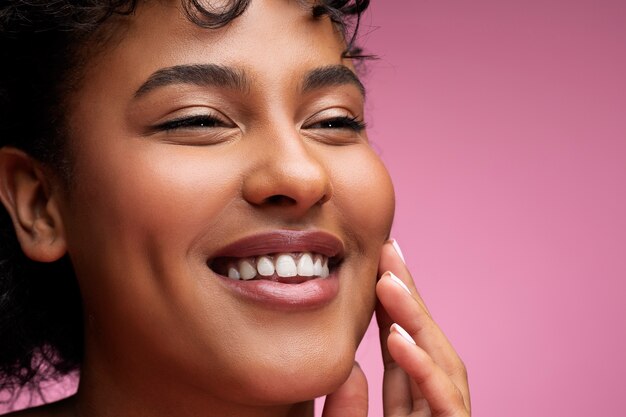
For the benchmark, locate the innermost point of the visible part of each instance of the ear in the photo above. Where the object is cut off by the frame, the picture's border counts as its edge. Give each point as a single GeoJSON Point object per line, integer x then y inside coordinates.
{"type": "Point", "coordinates": [26, 193]}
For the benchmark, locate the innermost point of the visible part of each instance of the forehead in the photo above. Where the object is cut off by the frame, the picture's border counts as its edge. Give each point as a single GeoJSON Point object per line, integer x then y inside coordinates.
{"type": "Point", "coordinates": [277, 37]}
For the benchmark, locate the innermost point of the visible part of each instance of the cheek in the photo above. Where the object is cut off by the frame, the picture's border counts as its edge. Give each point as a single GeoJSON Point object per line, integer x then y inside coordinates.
{"type": "Point", "coordinates": [154, 191]}
{"type": "Point", "coordinates": [137, 213]}
{"type": "Point", "coordinates": [365, 193]}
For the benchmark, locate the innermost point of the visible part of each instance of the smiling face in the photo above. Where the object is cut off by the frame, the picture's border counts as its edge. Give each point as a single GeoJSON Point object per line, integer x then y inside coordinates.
{"type": "Point", "coordinates": [203, 154]}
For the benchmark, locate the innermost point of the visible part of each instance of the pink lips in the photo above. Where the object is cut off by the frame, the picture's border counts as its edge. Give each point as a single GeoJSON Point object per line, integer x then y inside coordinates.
{"type": "Point", "coordinates": [307, 294]}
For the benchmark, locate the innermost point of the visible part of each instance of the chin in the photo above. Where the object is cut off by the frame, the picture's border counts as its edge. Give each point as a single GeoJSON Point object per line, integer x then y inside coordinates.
{"type": "Point", "coordinates": [294, 388]}
{"type": "Point", "coordinates": [298, 379]}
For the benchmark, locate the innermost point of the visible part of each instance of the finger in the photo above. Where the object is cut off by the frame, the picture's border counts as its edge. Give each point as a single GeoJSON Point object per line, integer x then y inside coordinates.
{"type": "Point", "coordinates": [402, 308]}
{"type": "Point", "coordinates": [350, 400]}
{"type": "Point", "coordinates": [391, 259]}
{"type": "Point", "coordinates": [397, 389]}
{"type": "Point", "coordinates": [403, 304]}
{"type": "Point", "coordinates": [399, 393]}
{"type": "Point", "coordinates": [440, 392]}
{"type": "Point", "coordinates": [401, 397]}
{"type": "Point", "coordinates": [399, 305]}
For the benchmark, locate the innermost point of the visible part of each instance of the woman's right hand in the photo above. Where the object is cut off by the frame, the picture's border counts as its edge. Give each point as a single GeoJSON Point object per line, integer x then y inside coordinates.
{"type": "Point", "coordinates": [423, 376]}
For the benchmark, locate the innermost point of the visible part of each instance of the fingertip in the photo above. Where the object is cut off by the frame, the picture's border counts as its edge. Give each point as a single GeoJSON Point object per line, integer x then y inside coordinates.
{"type": "Point", "coordinates": [398, 281]}
{"type": "Point", "coordinates": [442, 395]}
{"type": "Point", "coordinates": [396, 247]}
{"type": "Point", "coordinates": [391, 257]}
{"type": "Point", "coordinates": [395, 327]}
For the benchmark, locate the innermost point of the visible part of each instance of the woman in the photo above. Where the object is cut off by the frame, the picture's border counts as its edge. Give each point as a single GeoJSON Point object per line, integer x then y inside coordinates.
{"type": "Point", "coordinates": [203, 174]}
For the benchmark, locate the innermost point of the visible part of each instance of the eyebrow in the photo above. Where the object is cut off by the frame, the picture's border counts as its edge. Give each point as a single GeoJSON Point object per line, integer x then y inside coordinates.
{"type": "Point", "coordinates": [209, 75]}
{"type": "Point", "coordinates": [331, 76]}
{"type": "Point", "coordinates": [212, 75]}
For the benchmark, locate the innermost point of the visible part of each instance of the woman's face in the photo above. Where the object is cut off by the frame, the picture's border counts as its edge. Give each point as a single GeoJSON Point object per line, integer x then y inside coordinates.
{"type": "Point", "coordinates": [204, 153]}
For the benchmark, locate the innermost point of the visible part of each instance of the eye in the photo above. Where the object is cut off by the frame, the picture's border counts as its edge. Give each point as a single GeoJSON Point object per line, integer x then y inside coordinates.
{"type": "Point", "coordinates": [203, 121]}
{"type": "Point", "coordinates": [335, 126]}
{"type": "Point", "coordinates": [205, 127]}
{"type": "Point", "coordinates": [339, 122]}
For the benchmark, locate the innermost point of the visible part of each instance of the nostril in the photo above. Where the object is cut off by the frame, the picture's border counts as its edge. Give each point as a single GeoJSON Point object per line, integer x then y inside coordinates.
{"type": "Point", "coordinates": [280, 200]}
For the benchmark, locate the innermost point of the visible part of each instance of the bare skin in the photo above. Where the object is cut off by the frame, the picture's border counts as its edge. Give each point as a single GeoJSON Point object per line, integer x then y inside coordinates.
{"type": "Point", "coordinates": [170, 172]}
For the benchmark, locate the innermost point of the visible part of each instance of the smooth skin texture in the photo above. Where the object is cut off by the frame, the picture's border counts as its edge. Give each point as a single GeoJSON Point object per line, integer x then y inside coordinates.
{"type": "Point", "coordinates": [154, 198]}
{"type": "Point", "coordinates": [424, 376]}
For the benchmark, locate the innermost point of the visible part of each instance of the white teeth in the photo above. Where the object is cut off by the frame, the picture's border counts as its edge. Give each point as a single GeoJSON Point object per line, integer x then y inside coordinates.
{"type": "Point", "coordinates": [286, 266]}
{"type": "Point", "coordinates": [305, 265]}
{"type": "Point", "coordinates": [317, 266]}
{"type": "Point", "coordinates": [233, 273]}
{"type": "Point", "coordinates": [246, 269]}
{"type": "Point", "coordinates": [265, 266]}
{"type": "Point", "coordinates": [325, 270]}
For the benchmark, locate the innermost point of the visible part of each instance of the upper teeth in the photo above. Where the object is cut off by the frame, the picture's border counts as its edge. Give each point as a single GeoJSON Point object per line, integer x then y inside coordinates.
{"type": "Point", "coordinates": [284, 265]}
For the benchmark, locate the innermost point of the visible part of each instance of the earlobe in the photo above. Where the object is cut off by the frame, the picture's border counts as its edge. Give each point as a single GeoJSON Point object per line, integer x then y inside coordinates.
{"type": "Point", "coordinates": [27, 196]}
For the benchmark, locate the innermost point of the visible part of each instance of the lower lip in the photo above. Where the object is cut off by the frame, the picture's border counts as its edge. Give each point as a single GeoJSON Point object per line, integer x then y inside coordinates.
{"type": "Point", "coordinates": [310, 294]}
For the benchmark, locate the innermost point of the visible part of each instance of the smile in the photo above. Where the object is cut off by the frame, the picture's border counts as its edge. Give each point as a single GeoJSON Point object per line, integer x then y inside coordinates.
{"type": "Point", "coordinates": [287, 256]}
{"type": "Point", "coordinates": [274, 267]}
{"type": "Point", "coordinates": [282, 269]}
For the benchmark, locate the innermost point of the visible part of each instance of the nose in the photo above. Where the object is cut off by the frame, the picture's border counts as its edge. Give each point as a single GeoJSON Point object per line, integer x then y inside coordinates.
{"type": "Point", "coordinates": [288, 175]}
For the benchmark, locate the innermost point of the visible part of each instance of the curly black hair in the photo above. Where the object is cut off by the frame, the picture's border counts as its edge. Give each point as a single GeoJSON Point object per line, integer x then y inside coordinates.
{"type": "Point", "coordinates": [42, 47]}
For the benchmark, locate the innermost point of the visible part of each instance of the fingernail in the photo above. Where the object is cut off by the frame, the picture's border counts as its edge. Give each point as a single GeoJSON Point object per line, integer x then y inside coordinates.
{"type": "Point", "coordinates": [397, 328]}
{"type": "Point", "coordinates": [395, 245]}
{"type": "Point", "coordinates": [399, 282]}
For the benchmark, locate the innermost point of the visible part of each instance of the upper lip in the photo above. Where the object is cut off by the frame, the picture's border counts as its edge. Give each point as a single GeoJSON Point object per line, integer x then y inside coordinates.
{"type": "Point", "coordinates": [284, 241]}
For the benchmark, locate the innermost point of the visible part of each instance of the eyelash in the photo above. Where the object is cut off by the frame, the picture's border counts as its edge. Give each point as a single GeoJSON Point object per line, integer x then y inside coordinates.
{"type": "Point", "coordinates": [342, 122]}
{"type": "Point", "coordinates": [200, 121]}
{"type": "Point", "coordinates": [191, 122]}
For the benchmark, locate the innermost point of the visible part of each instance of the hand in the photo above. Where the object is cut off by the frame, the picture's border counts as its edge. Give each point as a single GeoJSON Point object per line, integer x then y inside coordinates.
{"type": "Point", "coordinates": [423, 374]}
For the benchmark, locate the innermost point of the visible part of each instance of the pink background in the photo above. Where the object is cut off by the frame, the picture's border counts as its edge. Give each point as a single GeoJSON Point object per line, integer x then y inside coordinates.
{"type": "Point", "coordinates": [503, 124]}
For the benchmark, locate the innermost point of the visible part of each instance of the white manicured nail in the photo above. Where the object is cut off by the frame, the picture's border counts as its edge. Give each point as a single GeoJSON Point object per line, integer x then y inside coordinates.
{"type": "Point", "coordinates": [397, 328]}
{"type": "Point", "coordinates": [395, 245]}
{"type": "Point", "coordinates": [399, 282]}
